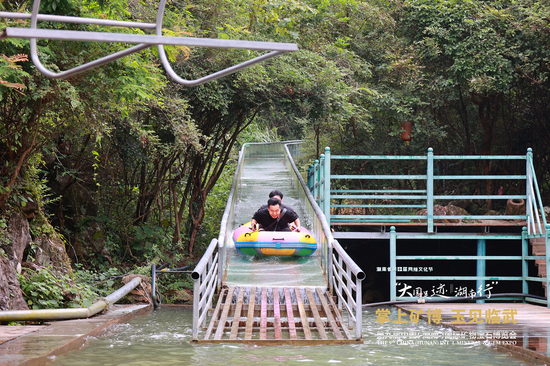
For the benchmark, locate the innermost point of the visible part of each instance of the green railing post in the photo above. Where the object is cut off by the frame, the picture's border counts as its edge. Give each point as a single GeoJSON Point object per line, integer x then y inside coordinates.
{"type": "Point", "coordinates": [316, 181]}
{"type": "Point", "coordinates": [393, 264]}
{"type": "Point", "coordinates": [524, 264]}
{"type": "Point", "coordinates": [430, 190]}
{"type": "Point", "coordinates": [480, 283]}
{"type": "Point", "coordinates": [322, 181]}
{"type": "Point", "coordinates": [528, 191]}
{"type": "Point", "coordinates": [327, 185]}
{"type": "Point", "coordinates": [309, 177]}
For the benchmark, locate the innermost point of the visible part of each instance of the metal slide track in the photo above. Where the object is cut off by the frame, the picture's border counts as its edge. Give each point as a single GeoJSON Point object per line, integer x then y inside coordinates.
{"type": "Point", "coordinates": [259, 176]}
{"type": "Point", "coordinates": [272, 300]}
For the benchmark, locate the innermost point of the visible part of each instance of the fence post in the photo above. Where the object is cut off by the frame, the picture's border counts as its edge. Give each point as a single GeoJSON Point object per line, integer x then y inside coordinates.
{"type": "Point", "coordinates": [529, 201]}
{"type": "Point", "coordinates": [393, 264]}
{"type": "Point", "coordinates": [316, 181]}
{"type": "Point", "coordinates": [430, 190]}
{"type": "Point", "coordinates": [322, 182]}
{"type": "Point", "coordinates": [340, 289]}
{"type": "Point", "coordinates": [358, 308]}
{"type": "Point", "coordinates": [349, 299]}
{"type": "Point", "coordinates": [310, 178]}
{"type": "Point", "coordinates": [196, 308]}
{"type": "Point", "coordinates": [524, 265]}
{"type": "Point", "coordinates": [221, 259]}
{"type": "Point", "coordinates": [327, 185]}
{"type": "Point", "coordinates": [481, 265]}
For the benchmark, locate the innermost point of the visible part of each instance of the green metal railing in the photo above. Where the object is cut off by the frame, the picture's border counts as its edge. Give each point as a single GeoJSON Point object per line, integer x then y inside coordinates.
{"type": "Point", "coordinates": [481, 277]}
{"type": "Point", "coordinates": [321, 183]}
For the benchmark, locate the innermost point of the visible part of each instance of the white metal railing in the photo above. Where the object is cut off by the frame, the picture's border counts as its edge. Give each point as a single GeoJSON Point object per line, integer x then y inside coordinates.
{"type": "Point", "coordinates": [347, 278]}
{"type": "Point", "coordinates": [344, 277]}
{"type": "Point", "coordinates": [206, 282]}
{"type": "Point", "coordinates": [319, 226]}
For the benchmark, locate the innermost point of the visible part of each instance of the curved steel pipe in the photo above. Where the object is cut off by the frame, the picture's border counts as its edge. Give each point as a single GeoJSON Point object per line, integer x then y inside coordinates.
{"type": "Point", "coordinates": [63, 314]}
{"type": "Point", "coordinates": [276, 48]}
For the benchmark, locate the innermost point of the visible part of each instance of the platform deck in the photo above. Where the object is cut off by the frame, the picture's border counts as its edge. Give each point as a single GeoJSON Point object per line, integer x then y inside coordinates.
{"type": "Point", "coordinates": [276, 315]}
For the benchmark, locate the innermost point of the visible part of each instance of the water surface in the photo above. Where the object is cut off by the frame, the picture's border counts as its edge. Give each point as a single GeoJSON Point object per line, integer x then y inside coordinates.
{"type": "Point", "coordinates": [163, 338]}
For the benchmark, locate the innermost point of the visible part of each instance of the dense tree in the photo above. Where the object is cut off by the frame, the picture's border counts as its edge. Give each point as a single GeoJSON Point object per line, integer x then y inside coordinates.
{"type": "Point", "coordinates": [131, 157]}
{"type": "Point", "coordinates": [477, 57]}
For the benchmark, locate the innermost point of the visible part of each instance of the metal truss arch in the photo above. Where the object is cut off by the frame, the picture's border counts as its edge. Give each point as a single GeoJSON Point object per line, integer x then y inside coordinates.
{"type": "Point", "coordinates": [143, 42]}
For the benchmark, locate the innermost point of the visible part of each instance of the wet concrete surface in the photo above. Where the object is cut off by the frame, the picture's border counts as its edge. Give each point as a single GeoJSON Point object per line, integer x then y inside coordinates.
{"type": "Point", "coordinates": [38, 345]}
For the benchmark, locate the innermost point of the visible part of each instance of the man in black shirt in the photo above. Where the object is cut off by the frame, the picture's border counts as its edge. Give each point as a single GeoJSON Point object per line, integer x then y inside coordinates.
{"type": "Point", "coordinates": [272, 218]}
{"type": "Point", "coordinates": [277, 194]}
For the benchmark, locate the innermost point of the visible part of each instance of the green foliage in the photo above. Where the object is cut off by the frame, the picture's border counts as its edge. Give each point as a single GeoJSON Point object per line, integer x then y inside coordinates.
{"type": "Point", "coordinates": [175, 288]}
{"type": "Point", "coordinates": [45, 289]}
{"type": "Point", "coordinates": [215, 205]}
{"type": "Point", "coordinates": [258, 132]}
{"type": "Point", "coordinates": [11, 74]}
{"type": "Point", "coordinates": [102, 283]}
{"type": "Point", "coordinates": [132, 167]}
{"type": "Point", "coordinates": [151, 241]}
{"type": "Point", "coordinates": [478, 44]}
{"type": "Point", "coordinates": [4, 235]}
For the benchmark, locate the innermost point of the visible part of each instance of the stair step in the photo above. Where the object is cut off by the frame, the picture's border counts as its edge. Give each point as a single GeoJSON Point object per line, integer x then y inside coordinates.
{"type": "Point", "coordinates": [542, 269]}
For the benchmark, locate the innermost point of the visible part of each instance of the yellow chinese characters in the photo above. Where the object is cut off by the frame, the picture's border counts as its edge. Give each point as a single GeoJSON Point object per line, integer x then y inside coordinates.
{"type": "Point", "coordinates": [459, 316]}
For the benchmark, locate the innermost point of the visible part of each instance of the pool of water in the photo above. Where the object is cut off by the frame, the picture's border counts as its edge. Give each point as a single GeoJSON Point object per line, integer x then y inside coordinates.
{"type": "Point", "coordinates": [163, 338]}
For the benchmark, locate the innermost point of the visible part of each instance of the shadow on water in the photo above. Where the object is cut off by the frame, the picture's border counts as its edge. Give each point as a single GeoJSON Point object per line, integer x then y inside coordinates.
{"type": "Point", "coordinates": [163, 338]}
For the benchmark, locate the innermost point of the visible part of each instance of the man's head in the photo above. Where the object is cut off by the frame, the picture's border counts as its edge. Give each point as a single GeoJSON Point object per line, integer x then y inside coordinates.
{"type": "Point", "coordinates": [276, 194]}
{"type": "Point", "coordinates": [274, 207]}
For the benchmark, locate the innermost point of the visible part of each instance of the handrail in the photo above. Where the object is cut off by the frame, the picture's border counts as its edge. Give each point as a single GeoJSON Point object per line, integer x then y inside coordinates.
{"type": "Point", "coordinates": [537, 195]}
{"type": "Point", "coordinates": [320, 180]}
{"type": "Point", "coordinates": [78, 20]}
{"type": "Point", "coordinates": [480, 276]}
{"type": "Point", "coordinates": [205, 283]}
{"type": "Point", "coordinates": [145, 41]}
{"type": "Point", "coordinates": [321, 229]}
{"type": "Point", "coordinates": [351, 286]}
{"type": "Point", "coordinates": [334, 260]}
{"type": "Point", "coordinates": [209, 273]}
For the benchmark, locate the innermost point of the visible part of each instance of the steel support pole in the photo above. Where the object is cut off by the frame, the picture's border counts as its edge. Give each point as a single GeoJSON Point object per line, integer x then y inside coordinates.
{"type": "Point", "coordinates": [430, 190]}
{"type": "Point", "coordinates": [316, 182]}
{"type": "Point", "coordinates": [393, 264]}
{"type": "Point", "coordinates": [322, 182]}
{"type": "Point", "coordinates": [524, 264]}
{"type": "Point", "coordinates": [481, 267]}
{"type": "Point", "coordinates": [196, 302]}
{"type": "Point", "coordinates": [528, 202]}
{"type": "Point", "coordinates": [358, 309]}
{"type": "Point", "coordinates": [327, 185]}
